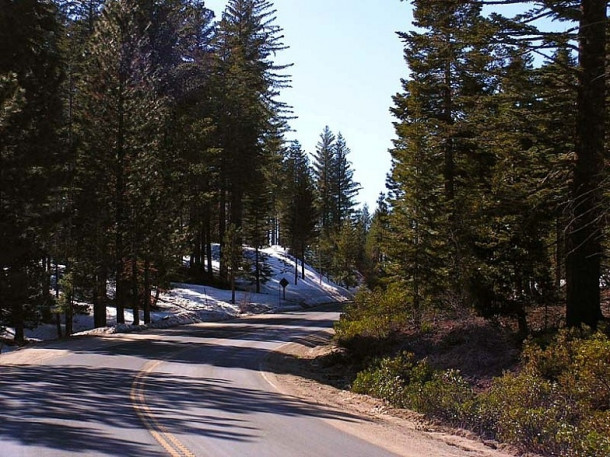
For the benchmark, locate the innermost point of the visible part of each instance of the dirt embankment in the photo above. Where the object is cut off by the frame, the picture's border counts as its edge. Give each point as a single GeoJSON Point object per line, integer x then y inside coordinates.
{"type": "Point", "coordinates": [295, 370]}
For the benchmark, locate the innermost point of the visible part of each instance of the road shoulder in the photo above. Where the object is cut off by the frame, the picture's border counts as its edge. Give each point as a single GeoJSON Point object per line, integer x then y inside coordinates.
{"type": "Point", "coordinates": [403, 432]}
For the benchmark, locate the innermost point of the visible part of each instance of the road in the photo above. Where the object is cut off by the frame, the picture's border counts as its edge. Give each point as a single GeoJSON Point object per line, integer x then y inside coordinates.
{"type": "Point", "coordinates": [195, 390]}
{"type": "Point", "coordinates": [192, 390]}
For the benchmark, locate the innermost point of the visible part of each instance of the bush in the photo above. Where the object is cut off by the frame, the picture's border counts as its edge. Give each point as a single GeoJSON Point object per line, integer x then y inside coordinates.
{"type": "Point", "coordinates": [387, 378]}
{"type": "Point", "coordinates": [406, 383]}
{"type": "Point", "coordinates": [447, 396]}
{"type": "Point", "coordinates": [559, 403]}
{"type": "Point", "coordinates": [367, 326]}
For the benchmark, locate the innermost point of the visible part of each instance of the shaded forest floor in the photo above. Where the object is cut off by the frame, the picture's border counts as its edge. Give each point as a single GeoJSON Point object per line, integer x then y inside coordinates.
{"type": "Point", "coordinates": [479, 348]}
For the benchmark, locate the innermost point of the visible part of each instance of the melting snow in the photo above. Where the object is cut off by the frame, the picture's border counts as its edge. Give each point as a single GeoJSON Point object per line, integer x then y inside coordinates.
{"type": "Point", "coordinates": [189, 303]}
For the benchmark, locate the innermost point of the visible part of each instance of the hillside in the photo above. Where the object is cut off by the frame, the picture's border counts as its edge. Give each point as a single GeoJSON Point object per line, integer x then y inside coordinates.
{"type": "Point", "coordinates": [187, 303]}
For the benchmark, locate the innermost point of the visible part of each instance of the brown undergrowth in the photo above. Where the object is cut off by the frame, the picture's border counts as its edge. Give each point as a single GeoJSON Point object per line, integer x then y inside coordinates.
{"type": "Point", "coordinates": [541, 394]}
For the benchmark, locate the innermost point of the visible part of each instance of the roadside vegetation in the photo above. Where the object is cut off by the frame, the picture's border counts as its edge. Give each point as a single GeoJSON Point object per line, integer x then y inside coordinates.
{"type": "Point", "coordinates": [486, 261]}
{"type": "Point", "coordinates": [548, 394]}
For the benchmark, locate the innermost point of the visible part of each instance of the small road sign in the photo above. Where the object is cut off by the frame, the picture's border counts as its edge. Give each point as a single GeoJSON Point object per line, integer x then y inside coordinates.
{"type": "Point", "coordinates": [284, 282]}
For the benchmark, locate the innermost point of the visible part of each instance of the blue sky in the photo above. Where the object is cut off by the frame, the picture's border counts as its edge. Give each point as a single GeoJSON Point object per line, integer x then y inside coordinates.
{"type": "Point", "coordinates": [347, 66]}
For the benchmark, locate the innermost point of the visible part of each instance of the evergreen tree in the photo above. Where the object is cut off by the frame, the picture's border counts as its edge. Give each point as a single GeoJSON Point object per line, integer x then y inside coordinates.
{"type": "Point", "coordinates": [335, 193]}
{"type": "Point", "coordinates": [585, 229]}
{"type": "Point", "coordinates": [249, 81]}
{"type": "Point", "coordinates": [233, 256]}
{"type": "Point", "coordinates": [323, 164]}
{"type": "Point", "coordinates": [299, 216]}
{"type": "Point", "coordinates": [345, 258]}
{"type": "Point", "coordinates": [584, 235]}
{"type": "Point", "coordinates": [344, 187]}
{"type": "Point", "coordinates": [30, 153]}
{"type": "Point", "coordinates": [362, 225]}
{"type": "Point", "coordinates": [121, 116]}
{"type": "Point", "coordinates": [374, 268]}
{"type": "Point", "coordinates": [429, 196]}
{"type": "Point", "coordinates": [517, 215]}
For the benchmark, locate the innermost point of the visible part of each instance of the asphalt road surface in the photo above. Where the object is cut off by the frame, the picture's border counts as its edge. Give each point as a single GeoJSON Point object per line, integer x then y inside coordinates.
{"type": "Point", "coordinates": [194, 390]}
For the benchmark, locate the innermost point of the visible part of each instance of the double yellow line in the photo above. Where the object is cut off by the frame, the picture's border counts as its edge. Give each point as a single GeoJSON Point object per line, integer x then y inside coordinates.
{"type": "Point", "coordinates": [168, 441]}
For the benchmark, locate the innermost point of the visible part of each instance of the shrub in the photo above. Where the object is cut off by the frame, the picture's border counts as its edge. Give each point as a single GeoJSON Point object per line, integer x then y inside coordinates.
{"type": "Point", "coordinates": [406, 383]}
{"type": "Point", "coordinates": [559, 403]}
{"type": "Point", "coordinates": [367, 326]}
{"type": "Point", "coordinates": [447, 396]}
{"type": "Point", "coordinates": [387, 378]}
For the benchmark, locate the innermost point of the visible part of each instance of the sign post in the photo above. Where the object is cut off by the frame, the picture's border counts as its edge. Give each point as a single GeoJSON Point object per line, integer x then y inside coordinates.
{"type": "Point", "coordinates": [284, 282]}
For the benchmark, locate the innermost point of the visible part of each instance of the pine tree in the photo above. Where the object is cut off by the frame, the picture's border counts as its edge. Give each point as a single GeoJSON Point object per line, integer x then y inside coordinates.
{"type": "Point", "coordinates": [344, 187]}
{"type": "Point", "coordinates": [323, 164]}
{"type": "Point", "coordinates": [121, 118]}
{"type": "Point", "coordinates": [233, 256]}
{"type": "Point", "coordinates": [584, 233]}
{"type": "Point", "coordinates": [517, 215]}
{"type": "Point", "coordinates": [299, 214]}
{"type": "Point", "coordinates": [375, 245]}
{"type": "Point", "coordinates": [416, 244]}
{"type": "Point", "coordinates": [30, 153]}
{"type": "Point", "coordinates": [433, 157]}
{"type": "Point", "coordinates": [249, 81]}
{"type": "Point", "coordinates": [345, 258]}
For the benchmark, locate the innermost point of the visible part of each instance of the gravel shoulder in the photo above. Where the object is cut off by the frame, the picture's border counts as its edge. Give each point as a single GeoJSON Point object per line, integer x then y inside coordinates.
{"type": "Point", "coordinates": [292, 371]}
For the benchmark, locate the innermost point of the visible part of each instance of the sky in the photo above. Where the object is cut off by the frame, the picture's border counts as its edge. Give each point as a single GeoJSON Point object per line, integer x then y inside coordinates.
{"type": "Point", "coordinates": [348, 62]}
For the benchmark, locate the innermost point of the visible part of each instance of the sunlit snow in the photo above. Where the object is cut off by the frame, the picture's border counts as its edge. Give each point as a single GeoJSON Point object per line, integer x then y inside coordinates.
{"type": "Point", "coordinates": [188, 303]}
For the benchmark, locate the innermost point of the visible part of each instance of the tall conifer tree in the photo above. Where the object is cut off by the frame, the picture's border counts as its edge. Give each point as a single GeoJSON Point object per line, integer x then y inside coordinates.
{"type": "Point", "coordinates": [30, 153]}
{"type": "Point", "coordinates": [433, 157]}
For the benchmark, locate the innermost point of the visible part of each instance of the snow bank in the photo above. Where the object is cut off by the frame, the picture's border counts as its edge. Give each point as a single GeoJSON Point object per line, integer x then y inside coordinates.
{"type": "Point", "coordinates": [191, 303]}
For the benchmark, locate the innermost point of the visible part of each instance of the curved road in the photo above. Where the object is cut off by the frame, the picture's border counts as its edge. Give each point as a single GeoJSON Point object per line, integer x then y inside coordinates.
{"type": "Point", "coordinates": [195, 390]}
{"type": "Point", "coordinates": [188, 391]}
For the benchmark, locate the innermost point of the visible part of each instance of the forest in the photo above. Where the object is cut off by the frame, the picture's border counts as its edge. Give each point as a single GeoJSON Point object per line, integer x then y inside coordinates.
{"type": "Point", "coordinates": [488, 270]}
{"type": "Point", "coordinates": [137, 134]}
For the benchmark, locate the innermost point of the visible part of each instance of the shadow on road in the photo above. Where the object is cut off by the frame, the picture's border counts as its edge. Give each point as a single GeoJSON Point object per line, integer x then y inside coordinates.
{"type": "Point", "coordinates": [79, 408]}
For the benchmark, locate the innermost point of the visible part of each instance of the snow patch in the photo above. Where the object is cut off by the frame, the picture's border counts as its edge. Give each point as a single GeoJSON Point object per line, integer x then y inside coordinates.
{"type": "Point", "coordinates": [192, 303]}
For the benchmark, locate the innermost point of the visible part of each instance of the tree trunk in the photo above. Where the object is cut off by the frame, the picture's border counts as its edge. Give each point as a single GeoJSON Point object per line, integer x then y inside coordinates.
{"type": "Point", "coordinates": [70, 316]}
{"type": "Point", "coordinates": [232, 288]}
{"type": "Point", "coordinates": [303, 261]}
{"type": "Point", "coordinates": [257, 271]}
{"type": "Point", "coordinates": [57, 314]}
{"type": "Point", "coordinates": [99, 300]}
{"type": "Point", "coordinates": [584, 236]}
{"type": "Point", "coordinates": [147, 292]}
{"type": "Point", "coordinates": [134, 291]}
{"type": "Point", "coordinates": [208, 245]}
{"type": "Point", "coordinates": [222, 227]}
{"type": "Point", "coordinates": [58, 324]}
{"type": "Point", "coordinates": [19, 324]}
{"type": "Point", "coordinates": [121, 282]}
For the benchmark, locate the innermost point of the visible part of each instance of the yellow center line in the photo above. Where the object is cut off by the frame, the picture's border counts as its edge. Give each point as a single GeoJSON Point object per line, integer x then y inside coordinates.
{"type": "Point", "coordinates": [167, 440]}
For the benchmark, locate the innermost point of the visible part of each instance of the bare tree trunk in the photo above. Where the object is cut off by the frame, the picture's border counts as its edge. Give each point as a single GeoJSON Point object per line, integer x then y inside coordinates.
{"type": "Point", "coordinates": [147, 292]}
{"type": "Point", "coordinates": [99, 300]}
{"type": "Point", "coordinates": [257, 270]}
{"type": "Point", "coordinates": [303, 261]}
{"type": "Point", "coordinates": [134, 291]}
{"type": "Point", "coordinates": [208, 248]}
{"type": "Point", "coordinates": [19, 324]}
{"type": "Point", "coordinates": [70, 316]}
